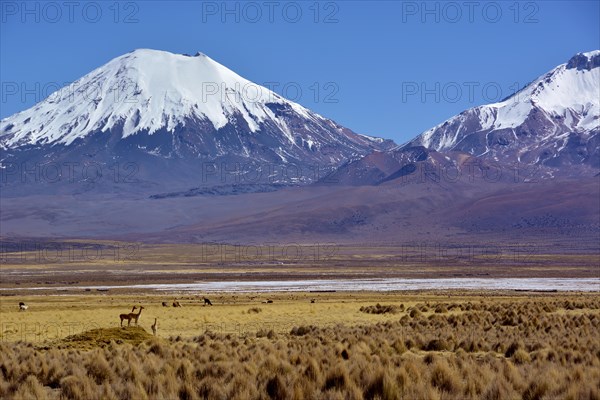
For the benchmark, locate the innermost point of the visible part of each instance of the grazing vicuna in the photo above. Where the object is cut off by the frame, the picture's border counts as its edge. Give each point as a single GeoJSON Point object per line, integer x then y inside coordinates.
{"type": "Point", "coordinates": [23, 307]}
{"type": "Point", "coordinates": [176, 304]}
{"type": "Point", "coordinates": [154, 326]}
{"type": "Point", "coordinates": [207, 301]}
{"type": "Point", "coordinates": [127, 317]}
{"type": "Point", "coordinates": [165, 304]}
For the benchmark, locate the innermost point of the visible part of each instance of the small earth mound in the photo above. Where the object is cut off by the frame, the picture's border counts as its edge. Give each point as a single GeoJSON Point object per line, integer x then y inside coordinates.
{"type": "Point", "coordinates": [104, 336]}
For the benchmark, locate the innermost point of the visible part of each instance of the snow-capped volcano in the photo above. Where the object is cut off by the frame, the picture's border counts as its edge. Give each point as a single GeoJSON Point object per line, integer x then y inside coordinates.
{"type": "Point", "coordinates": [555, 120]}
{"type": "Point", "coordinates": [147, 106]}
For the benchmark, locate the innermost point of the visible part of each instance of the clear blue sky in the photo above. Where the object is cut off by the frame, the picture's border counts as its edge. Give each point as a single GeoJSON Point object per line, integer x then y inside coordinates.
{"type": "Point", "coordinates": [370, 61]}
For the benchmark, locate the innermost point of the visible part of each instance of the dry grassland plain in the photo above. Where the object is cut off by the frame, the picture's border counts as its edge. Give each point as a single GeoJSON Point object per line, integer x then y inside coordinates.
{"type": "Point", "coordinates": [446, 344]}
{"type": "Point", "coordinates": [450, 345]}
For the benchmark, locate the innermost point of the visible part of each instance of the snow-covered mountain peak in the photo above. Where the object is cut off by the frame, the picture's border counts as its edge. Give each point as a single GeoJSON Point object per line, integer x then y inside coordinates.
{"type": "Point", "coordinates": [557, 113]}
{"type": "Point", "coordinates": [145, 90]}
{"type": "Point", "coordinates": [558, 92]}
{"type": "Point", "coordinates": [171, 114]}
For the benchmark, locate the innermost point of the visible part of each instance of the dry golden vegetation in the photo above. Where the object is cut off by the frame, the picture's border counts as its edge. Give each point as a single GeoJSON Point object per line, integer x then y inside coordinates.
{"type": "Point", "coordinates": [476, 347]}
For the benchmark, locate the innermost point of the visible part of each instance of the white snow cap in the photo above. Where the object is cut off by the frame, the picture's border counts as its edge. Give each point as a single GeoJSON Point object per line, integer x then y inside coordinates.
{"type": "Point", "coordinates": [145, 90]}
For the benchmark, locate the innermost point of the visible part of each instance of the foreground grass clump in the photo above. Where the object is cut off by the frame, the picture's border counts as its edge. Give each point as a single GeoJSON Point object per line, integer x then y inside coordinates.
{"type": "Point", "coordinates": [468, 352]}
{"type": "Point", "coordinates": [379, 309]}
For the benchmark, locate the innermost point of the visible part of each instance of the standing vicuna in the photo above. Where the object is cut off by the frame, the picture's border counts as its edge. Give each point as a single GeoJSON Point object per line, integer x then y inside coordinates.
{"type": "Point", "coordinates": [136, 316]}
{"type": "Point", "coordinates": [154, 326]}
{"type": "Point", "coordinates": [22, 306]}
{"type": "Point", "coordinates": [128, 316]}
